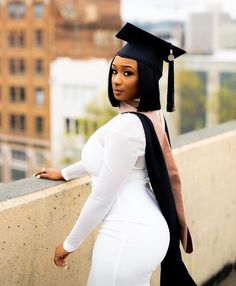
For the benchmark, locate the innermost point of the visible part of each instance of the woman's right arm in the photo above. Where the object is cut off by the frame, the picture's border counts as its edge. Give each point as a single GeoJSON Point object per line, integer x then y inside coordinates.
{"type": "Point", "coordinates": [71, 172]}
{"type": "Point", "coordinates": [74, 171]}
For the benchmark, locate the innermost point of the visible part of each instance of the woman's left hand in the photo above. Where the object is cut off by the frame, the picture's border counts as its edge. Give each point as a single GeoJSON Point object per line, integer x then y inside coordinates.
{"type": "Point", "coordinates": [60, 256]}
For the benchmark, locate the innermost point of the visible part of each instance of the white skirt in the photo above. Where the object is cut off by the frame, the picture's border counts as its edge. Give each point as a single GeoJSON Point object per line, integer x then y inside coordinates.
{"type": "Point", "coordinates": [132, 241]}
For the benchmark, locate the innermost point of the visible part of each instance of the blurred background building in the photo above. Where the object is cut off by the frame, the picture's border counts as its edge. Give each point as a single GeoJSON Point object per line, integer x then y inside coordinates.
{"type": "Point", "coordinates": [70, 96]}
{"type": "Point", "coordinates": [210, 31]}
{"type": "Point", "coordinates": [34, 34]}
{"type": "Point", "coordinates": [206, 76]}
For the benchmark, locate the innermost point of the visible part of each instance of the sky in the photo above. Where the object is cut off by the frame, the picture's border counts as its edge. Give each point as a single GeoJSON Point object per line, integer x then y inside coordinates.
{"type": "Point", "coordinates": [155, 10]}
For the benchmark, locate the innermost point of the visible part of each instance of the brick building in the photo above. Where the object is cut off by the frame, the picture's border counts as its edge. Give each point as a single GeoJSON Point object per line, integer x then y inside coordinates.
{"type": "Point", "coordinates": [86, 28]}
{"type": "Point", "coordinates": [32, 34]}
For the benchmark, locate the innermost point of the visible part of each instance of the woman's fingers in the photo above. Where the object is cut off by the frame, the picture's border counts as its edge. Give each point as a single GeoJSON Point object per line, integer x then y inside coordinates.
{"type": "Point", "coordinates": [60, 256]}
{"type": "Point", "coordinates": [44, 175]}
{"type": "Point", "coordinates": [49, 173]}
{"type": "Point", "coordinates": [43, 171]}
{"type": "Point", "coordinates": [60, 261]}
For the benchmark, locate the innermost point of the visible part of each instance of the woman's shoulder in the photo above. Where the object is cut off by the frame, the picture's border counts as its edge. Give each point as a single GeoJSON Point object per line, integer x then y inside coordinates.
{"type": "Point", "coordinates": [127, 120]}
{"type": "Point", "coordinates": [127, 124]}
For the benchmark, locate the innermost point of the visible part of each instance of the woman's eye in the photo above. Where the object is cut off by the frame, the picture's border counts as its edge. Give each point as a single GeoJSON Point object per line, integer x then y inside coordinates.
{"type": "Point", "coordinates": [127, 73]}
{"type": "Point", "coordinates": [114, 72]}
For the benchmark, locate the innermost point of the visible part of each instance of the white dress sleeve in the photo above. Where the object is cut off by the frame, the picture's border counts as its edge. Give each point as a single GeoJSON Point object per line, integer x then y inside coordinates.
{"type": "Point", "coordinates": [73, 171]}
{"type": "Point", "coordinates": [123, 144]}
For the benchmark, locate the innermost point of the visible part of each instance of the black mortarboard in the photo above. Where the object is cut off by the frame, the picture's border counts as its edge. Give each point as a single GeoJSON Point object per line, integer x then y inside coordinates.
{"type": "Point", "coordinates": [152, 51]}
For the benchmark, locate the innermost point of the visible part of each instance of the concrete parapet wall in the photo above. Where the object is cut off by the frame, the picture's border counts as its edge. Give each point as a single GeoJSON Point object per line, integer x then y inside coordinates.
{"type": "Point", "coordinates": [30, 228]}
{"type": "Point", "coordinates": [208, 171]}
{"type": "Point", "coordinates": [32, 224]}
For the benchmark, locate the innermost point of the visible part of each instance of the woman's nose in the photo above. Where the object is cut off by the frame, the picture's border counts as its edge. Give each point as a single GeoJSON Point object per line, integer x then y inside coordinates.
{"type": "Point", "coordinates": [116, 79]}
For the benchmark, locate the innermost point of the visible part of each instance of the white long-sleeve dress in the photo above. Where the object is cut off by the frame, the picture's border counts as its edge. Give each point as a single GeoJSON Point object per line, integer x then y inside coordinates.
{"type": "Point", "coordinates": [134, 236]}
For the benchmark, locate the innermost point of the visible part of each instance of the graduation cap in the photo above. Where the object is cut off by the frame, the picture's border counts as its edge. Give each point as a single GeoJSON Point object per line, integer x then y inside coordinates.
{"type": "Point", "coordinates": [152, 51]}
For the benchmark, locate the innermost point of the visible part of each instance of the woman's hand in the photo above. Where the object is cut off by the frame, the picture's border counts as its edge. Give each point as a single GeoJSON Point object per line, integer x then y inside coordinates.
{"type": "Point", "coordinates": [49, 173]}
{"type": "Point", "coordinates": [60, 256]}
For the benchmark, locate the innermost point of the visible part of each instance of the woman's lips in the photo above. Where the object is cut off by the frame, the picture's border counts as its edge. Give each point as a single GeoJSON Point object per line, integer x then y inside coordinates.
{"type": "Point", "coordinates": [117, 91]}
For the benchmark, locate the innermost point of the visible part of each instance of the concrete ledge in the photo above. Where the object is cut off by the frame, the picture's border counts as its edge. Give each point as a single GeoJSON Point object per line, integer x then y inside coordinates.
{"type": "Point", "coordinates": [202, 134]}
{"type": "Point", "coordinates": [24, 187]}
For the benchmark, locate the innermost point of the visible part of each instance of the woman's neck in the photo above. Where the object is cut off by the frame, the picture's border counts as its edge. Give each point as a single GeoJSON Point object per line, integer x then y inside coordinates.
{"type": "Point", "coordinates": [133, 103]}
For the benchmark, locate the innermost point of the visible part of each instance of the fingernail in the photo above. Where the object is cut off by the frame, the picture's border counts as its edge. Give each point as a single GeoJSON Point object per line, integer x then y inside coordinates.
{"type": "Point", "coordinates": [38, 176]}
{"type": "Point", "coordinates": [66, 267]}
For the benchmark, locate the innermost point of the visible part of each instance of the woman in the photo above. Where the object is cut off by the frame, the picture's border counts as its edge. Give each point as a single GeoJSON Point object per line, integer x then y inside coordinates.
{"type": "Point", "coordinates": [134, 236]}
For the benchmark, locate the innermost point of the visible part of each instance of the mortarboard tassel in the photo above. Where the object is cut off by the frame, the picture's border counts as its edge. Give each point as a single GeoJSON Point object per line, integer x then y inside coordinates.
{"type": "Point", "coordinates": [170, 90]}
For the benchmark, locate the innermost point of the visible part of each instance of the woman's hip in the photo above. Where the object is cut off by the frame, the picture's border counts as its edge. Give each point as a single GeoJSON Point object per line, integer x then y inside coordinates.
{"type": "Point", "coordinates": [128, 256]}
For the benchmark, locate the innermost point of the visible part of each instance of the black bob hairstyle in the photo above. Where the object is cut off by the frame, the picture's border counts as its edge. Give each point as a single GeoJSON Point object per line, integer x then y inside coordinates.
{"type": "Point", "coordinates": [148, 88]}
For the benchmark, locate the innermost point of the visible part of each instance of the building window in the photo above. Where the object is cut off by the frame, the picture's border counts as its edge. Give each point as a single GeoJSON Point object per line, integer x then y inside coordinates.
{"type": "Point", "coordinates": [12, 66]}
{"type": "Point", "coordinates": [17, 94]}
{"type": "Point", "coordinates": [12, 122]}
{"type": "Point", "coordinates": [16, 66]}
{"type": "Point", "coordinates": [16, 39]}
{"type": "Point", "coordinates": [67, 125]}
{"type": "Point", "coordinates": [76, 126]}
{"type": "Point", "coordinates": [21, 66]}
{"type": "Point", "coordinates": [38, 38]}
{"type": "Point", "coordinates": [16, 10]}
{"type": "Point", "coordinates": [18, 155]}
{"type": "Point", "coordinates": [21, 39]}
{"type": "Point", "coordinates": [11, 39]}
{"type": "Point", "coordinates": [22, 96]}
{"type": "Point", "coordinates": [12, 94]}
{"type": "Point", "coordinates": [21, 122]}
{"type": "Point", "coordinates": [39, 66]}
{"type": "Point", "coordinates": [72, 126]}
{"type": "Point", "coordinates": [39, 96]}
{"type": "Point", "coordinates": [39, 124]}
{"type": "Point", "coordinates": [86, 127]}
{"type": "Point", "coordinates": [17, 122]}
{"type": "Point", "coordinates": [17, 174]}
{"type": "Point", "coordinates": [38, 10]}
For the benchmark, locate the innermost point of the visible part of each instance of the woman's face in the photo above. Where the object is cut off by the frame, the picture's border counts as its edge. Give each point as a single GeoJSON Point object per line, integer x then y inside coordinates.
{"type": "Point", "coordinates": [124, 79]}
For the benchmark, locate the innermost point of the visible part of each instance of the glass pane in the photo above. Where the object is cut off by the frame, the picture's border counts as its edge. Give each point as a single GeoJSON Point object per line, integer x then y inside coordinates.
{"type": "Point", "coordinates": [39, 124]}
{"type": "Point", "coordinates": [18, 155]}
{"type": "Point", "coordinates": [12, 122]}
{"type": "Point", "coordinates": [12, 66]}
{"type": "Point", "coordinates": [12, 94]}
{"type": "Point", "coordinates": [22, 96]}
{"type": "Point", "coordinates": [17, 174]}
{"type": "Point", "coordinates": [39, 96]}
{"type": "Point", "coordinates": [38, 10]}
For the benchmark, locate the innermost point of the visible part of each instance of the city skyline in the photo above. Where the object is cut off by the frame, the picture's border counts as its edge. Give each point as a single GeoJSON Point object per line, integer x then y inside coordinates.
{"type": "Point", "coordinates": [158, 10]}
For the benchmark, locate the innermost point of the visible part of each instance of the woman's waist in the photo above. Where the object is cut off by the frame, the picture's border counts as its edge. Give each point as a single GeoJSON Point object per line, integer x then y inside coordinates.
{"type": "Point", "coordinates": [136, 211]}
{"type": "Point", "coordinates": [136, 176]}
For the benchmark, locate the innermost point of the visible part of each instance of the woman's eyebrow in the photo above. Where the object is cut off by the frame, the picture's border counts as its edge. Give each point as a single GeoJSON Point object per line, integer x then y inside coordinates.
{"type": "Point", "coordinates": [124, 66]}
